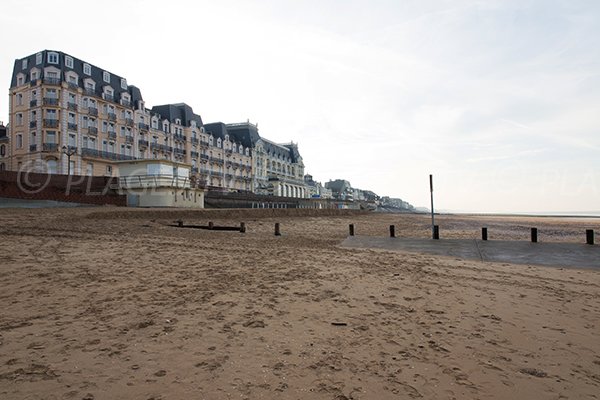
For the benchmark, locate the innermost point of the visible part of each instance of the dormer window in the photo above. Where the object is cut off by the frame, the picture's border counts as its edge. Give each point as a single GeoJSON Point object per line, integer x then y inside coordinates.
{"type": "Point", "coordinates": [123, 83]}
{"type": "Point", "coordinates": [24, 64]}
{"type": "Point", "coordinates": [234, 148]}
{"type": "Point", "coordinates": [241, 149]}
{"type": "Point", "coordinates": [34, 75]}
{"type": "Point", "coordinates": [69, 61]}
{"type": "Point", "coordinates": [52, 57]}
{"type": "Point", "coordinates": [247, 151]}
{"type": "Point", "coordinates": [106, 77]}
{"type": "Point", "coordinates": [87, 69]}
{"type": "Point", "coordinates": [38, 58]}
{"type": "Point", "coordinates": [219, 142]}
{"type": "Point", "coordinates": [210, 141]}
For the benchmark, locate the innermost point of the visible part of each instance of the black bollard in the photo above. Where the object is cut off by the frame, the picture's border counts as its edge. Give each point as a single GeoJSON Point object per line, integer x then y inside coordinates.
{"type": "Point", "coordinates": [436, 232]}
{"type": "Point", "coordinates": [242, 227]}
{"type": "Point", "coordinates": [392, 231]}
{"type": "Point", "coordinates": [589, 236]}
{"type": "Point", "coordinates": [533, 235]}
{"type": "Point", "coordinates": [211, 225]}
{"type": "Point", "coordinates": [483, 233]}
{"type": "Point", "coordinates": [351, 229]}
{"type": "Point", "coordinates": [277, 232]}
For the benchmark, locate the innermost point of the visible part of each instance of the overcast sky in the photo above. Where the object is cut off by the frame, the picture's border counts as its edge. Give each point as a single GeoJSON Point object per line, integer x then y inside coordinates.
{"type": "Point", "coordinates": [499, 100]}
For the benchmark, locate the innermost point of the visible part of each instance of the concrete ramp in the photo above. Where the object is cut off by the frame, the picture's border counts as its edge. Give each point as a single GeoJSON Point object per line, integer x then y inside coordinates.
{"type": "Point", "coordinates": [566, 255]}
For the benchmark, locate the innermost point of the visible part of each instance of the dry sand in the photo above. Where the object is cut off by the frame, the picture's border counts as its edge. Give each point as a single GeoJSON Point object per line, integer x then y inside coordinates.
{"type": "Point", "coordinates": [99, 304]}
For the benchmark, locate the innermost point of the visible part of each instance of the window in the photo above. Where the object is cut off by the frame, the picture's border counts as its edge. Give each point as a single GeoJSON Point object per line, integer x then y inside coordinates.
{"type": "Point", "coordinates": [38, 58]}
{"type": "Point", "coordinates": [19, 119]}
{"type": "Point", "coordinates": [104, 126]}
{"type": "Point", "coordinates": [87, 69]}
{"type": "Point", "coordinates": [2, 150]}
{"type": "Point", "coordinates": [52, 57]}
{"type": "Point", "coordinates": [72, 142]}
{"type": "Point", "coordinates": [51, 166]}
{"type": "Point", "coordinates": [109, 169]}
{"type": "Point", "coordinates": [19, 97]}
{"type": "Point", "coordinates": [104, 145]}
{"type": "Point", "coordinates": [219, 142]}
{"type": "Point", "coordinates": [71, 167]}
{"type": "Point", "coordinates": [19, 142]}
{"type": "Point", "coordinates": [51, 137]}
{"type": "Point", "coordinates": [90, 169]}
{"type": "Point", "coordinates": [123, 83]}
{"type": "Point", "coordinates": [106, 77]}
{"type": "Point", "coordinates": [69, 61]}
{"type": "Point", "coordinates": [20, 80]}
{"type": "Point", "coordinates": [34, 75]}
{"type": "Point", "coordinates": [2, 167]}
{"type": "Point", "coordinates": [24, 64]}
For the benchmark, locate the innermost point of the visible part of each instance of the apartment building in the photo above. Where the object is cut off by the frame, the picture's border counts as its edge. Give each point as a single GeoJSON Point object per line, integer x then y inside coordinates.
{"type": "Point", "coordinates": [71, 117]}
{"type": "Point", "coordinates": [4, 147]}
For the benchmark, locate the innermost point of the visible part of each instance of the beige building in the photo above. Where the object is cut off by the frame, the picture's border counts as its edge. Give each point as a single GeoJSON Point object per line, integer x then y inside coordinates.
{"type": "Point", "coordinates": [68, 116]}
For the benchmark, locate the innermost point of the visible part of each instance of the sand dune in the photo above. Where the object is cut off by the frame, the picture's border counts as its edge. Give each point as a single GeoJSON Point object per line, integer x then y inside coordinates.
{"type": "Point", "coordinates": [98, 304]}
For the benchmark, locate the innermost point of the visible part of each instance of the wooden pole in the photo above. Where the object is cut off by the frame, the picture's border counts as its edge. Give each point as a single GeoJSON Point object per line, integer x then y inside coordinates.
{"type": "Point", "coordinates": [589, 236]}
{"type": "Point", "coordinates": [483, 233]}
{"type": "Point", "coordinates": [436, 232]}
{"type": "Point", "coordinates": [211, 225]}
{"type": "Point", "coordinates": [242, 227]}
{"type": "Point", "coordinates": [351, 229]}
{"type": "Point", "coordinates": [534, 237]}
{"type": "Point", "coordinates": [277, 231]}
{"type": "Point", "coordinates": [392, 231]}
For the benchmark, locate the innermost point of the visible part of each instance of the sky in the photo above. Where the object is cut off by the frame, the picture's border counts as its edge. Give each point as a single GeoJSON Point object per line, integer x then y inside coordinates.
{"type": "Point", "coordinates": [498, 99]}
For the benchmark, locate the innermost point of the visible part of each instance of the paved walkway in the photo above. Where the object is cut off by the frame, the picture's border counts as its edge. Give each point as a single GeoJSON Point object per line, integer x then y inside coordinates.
{"type": "Point", "coordinates": [551, 254]}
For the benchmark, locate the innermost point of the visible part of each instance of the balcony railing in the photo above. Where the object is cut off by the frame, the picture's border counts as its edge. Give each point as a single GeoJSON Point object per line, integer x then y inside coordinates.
{"type": "Point", "coordinates": [179, 151]}
{"type": "Point", "coordinates": [129, 139]}
{"type": "Point", "coordinates": [72, 126]}
{"type": "Point", "coordinates": [142, 126]}
{"type": "Point", "coordinates": [143, 143]}
{"type": "Point", "coordinates": [112, 116]}
{"type": "Point", "coordinates": [204, 143]}
{"type": "Point", "coordinates": [49, 147]}
{"type": "Point", "coordinates": [34, 82]}
{"type": "Point", "coordinates": [33, 103]}
{"type": "Point", "coordinates": [72, 106]}
{"type": "Point", "coordinates": [93, 111]}
{"type": "Point", "coordinates": [73, 85]}
{"type": "Point", "coordinates": [90, 92]}
{"type": "Point", "coordinates": [204, 157]}
{"type": "Point", "coordinates": [179, 137]}
{"type": "Point", "coordinates": [112, 135]}
{"type": "Point", "coordinates": [32, 147]}
{"type": "Point", "coordinates": [194, 140]}
{"type": "Point", "coordinates": [32, 124]}
{"type": "Point", "coordinates": [51, 81]}
{"type": "Point", "coordinates": [128, 122]}
{"type": "Point", "coordinates": [161, 147]}
{"type": "Point", "coordinates": [125, 103]}
{"type": "Point", "coordinates": [85, 152]}
{"type": "Point", "coordinates": [50, 123]}
{"type": "Point", "coordinates": [194, 170]}
{"type": "Point", "coordinates": [92, 130]}
{"type": "Point", "coordinates": [50, 101]}
{"type": "Point", "coordinates": [108, 97]}
{"type": "Point", "coordinates": [194, 154]}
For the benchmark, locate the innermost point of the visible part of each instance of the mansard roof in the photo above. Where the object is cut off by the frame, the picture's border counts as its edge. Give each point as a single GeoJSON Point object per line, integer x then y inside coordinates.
{"type": "Point", "coordinates": [180, 111]}
{"type": "Point", "coordinates": [96, 73]}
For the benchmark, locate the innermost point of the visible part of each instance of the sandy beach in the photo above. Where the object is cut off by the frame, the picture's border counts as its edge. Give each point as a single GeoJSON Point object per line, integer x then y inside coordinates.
{"type": "Point", "coordinates": [107, 303]}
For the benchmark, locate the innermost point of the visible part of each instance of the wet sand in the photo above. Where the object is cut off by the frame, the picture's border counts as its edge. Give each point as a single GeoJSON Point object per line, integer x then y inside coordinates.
{"type": "Point", "coordinates": [116, 304]}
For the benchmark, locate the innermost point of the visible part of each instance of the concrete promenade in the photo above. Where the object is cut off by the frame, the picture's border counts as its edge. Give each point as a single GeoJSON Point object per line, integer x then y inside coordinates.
{"type": "Point", "coordinates": [566, 255]}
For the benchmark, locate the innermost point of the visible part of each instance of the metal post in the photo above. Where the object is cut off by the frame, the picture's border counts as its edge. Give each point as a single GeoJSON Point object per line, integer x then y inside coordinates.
{"type": "Point", "coordinates": [589, 236]}
{"type": "Point", "coordinates": [483, 233]}
{"type": "Point", "coordinates": [351, 229]}
{"type": "Point", "coordinates": [277, 231]}
{"type": "Point", "coordinates": [392, 231]}
{"type": "Point", "coordinates": [534, 237]}
{"type": "Point", "coordinates": [432, 212]}
{"type": "Point", "coordinates": [436, 232]}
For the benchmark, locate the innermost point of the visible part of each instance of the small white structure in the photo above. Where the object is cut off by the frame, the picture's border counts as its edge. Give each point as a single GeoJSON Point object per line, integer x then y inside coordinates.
{"type": "Point", "coordinates": [158, 183]}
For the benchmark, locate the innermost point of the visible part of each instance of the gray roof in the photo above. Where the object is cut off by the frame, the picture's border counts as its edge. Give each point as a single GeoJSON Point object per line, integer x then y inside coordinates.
{"type": "Point", "coordinates": [96, 73]}
{"type": "Point", "coordinates": [179, 111]}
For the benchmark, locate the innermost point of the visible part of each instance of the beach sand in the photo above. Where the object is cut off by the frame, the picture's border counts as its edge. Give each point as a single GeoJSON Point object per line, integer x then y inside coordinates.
{"type": "Point", "coordinates": [106, 303]}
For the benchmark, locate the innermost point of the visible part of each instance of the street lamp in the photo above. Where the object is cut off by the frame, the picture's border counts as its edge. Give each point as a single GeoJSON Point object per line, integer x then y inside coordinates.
{"type": "Point", "coordinates": [69, 151]}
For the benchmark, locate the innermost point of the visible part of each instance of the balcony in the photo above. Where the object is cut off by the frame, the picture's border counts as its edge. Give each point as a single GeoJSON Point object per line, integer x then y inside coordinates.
{"type": "Point", "coordinates": [204, 143]}
{"type": "Point", "coordinates": [72, 126]}
{"type": "Point", "coordinates": [51, 81]}
{"type": "Point", "coordinates": [195, 140]}
{"type": "Point", "coordinates": [50, 123]}
{"type": "Point", "coordinates": [50, 147]}
{"type": "Point", "coordinates": [108, 97]}
{"type": "Point", "coordinates": [105, 154]}
{"type": "Point", "coordinates": [33, 103]}
{"type": "Point", "coordinates": [143, 143]}
{"type": "Point", "coordinates": [72, 106]}
{"type": "Point", "coordinates": [143, 127]}
{"type": "Point", "coordinates": [194, 154]}
{"type": "Point", "coordinates": [89, 91]}
{"type": "Point", "coordinates": [194, 170]}
{"type": "Point", "coordinates": [92, 130]}
{"type": "Point", "coordinates": [179, 137]}
{"type": "Point", "coordinates": [112, 116]}
{"type": "Point", "coordinates": [93, 111]}
{"type": "Point", "coordinates": [33, 147]}
{"type": "Point", "coordinates": [32, 124]}
{"type": "Point", "coordinates": [34, 82]}
{"type": "Point", "coordinates": [179, 151]}
{"type": "Point", "coordinates": [73, 85]}
{"type": "Point", "coordinates": [129, 139]}
{"type": "Point", "coordinates": [50, 101]}
{"type": "Point", "coordinates": [112, 135]}
{"type": "Point", "coordinates": [204, 157]}
{"type": "Point", "coordinates": [125, 103]}
{"type": "Point", "coordinates": [161, 147]}
{"type": "Point", "coordinates": [128, 122]}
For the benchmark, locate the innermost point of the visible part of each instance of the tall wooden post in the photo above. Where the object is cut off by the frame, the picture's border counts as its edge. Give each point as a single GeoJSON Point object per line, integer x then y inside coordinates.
{"type": "Point", "coordinates": [534, 235]}
{"type": "Point", "coordinates": [589, 236]}
{"type": "Point", "coordinates": [277, 231]}
{"type": "Point", "coordinates": [392, 231]}
{"type": "Point", "coordinates": [351, 229]}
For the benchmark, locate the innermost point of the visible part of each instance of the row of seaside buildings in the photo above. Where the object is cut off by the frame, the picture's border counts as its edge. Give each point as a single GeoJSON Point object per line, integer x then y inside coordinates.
{"type": "Point", "coordinates": [67, 116]}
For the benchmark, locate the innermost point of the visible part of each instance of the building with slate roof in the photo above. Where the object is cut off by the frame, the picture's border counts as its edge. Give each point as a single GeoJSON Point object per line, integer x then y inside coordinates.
{"type": "Point", "coordinates": [4, 146]}
{"type": "Point", "coordinates": [71, 116]}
